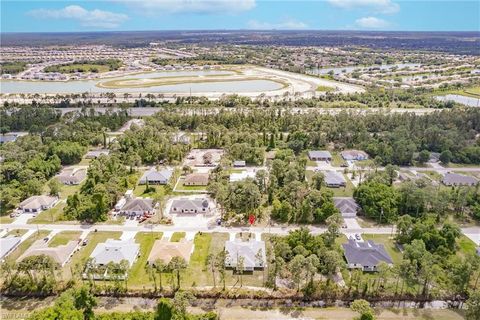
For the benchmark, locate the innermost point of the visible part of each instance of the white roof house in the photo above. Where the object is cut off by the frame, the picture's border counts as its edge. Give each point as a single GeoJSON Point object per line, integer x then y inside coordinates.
{"type": "Point", "coordinates": [240, 176]}
{"type": "Point", "coordinates": [7, 245]}
{"type": "Point", "coordinates": [116, 251]}
{"type": "Point", "coordinates": [156, 177]}
{"type": "Point", "coordinates": [37, 204]}
{"type": "Point", "coordinates": [253, 253]}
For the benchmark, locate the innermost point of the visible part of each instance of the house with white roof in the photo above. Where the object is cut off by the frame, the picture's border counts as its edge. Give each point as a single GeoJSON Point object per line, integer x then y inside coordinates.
{"type": "Point", "coordinates": [37, 204]}
{"type": "Point", "coordinates": [252, 252]}
{"type": "Point", "coordinates": [115, 251]}
{"type": "Point", "coordinates": [240, 176]}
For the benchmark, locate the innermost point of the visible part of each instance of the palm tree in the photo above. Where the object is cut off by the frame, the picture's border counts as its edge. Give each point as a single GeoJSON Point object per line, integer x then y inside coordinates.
{"type": "Point", "coordinates": [177, 264]}
{"type": "Point", "coordinates": [151, 274]}
{"type": "Point", "coordinates": [160, 267]}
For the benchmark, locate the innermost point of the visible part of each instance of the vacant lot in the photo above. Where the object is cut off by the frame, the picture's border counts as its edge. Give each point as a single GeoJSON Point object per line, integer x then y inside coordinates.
{"type": "Point", "coordinates": [63, 238]}
{"type": "Point", "coordinates": [137, 275]}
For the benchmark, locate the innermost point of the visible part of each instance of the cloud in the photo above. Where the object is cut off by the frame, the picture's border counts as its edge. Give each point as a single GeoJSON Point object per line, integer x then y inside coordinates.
{"type": "Point", "coordinates": [88, 18]}
{"type": "Point", "coordinates": [371, 23]}
{"type": "Point", "coordinates": [379, 6]}
{"type": "Point", "coordinates": [191, 6]}
{"type": "Point", "coordinates": [284, 25]}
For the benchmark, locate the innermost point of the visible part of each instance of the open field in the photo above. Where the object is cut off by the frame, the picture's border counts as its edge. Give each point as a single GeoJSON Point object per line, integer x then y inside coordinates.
{"type": "Point", "coordinates": [388, 243]}
{"type": "Point", "coordinates": [51, 215]}
{"type": "Point", "coordinates": [138, 276]}
{"type": "Point", "coordinates": [177, 236]}
{"type": "Point", "coordinates": [63, 238]}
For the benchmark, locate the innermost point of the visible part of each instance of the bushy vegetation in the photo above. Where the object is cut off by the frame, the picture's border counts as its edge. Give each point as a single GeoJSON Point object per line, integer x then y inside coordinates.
{"type": "Point", "coordinates": [12, 67]}
{"type": "Point", "coordinates": [94, 66]}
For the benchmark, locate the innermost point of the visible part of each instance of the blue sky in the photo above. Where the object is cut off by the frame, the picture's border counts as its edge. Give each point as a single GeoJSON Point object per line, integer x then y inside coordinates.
{"type": "Point", "coordinates": [90, 15]}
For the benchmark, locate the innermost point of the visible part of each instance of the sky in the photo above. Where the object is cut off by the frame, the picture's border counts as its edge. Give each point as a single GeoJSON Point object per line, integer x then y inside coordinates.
{"type": "Point", "coordinates": [131, 15]}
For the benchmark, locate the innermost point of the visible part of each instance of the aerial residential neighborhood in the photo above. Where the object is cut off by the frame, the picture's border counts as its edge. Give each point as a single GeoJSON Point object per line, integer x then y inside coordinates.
{"type": "Point", "coordinates": [244, 159]}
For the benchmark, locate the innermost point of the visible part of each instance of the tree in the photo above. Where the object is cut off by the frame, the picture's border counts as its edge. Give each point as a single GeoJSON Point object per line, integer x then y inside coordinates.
{"type": "Point", "coordinates": [446, 156]}
{"type": "Point", "coordinates": [86, 301]}
{"type": "Point", "coordinates": [63, 309]}
{"type": "Point", "coordinates": [55, 186]}
{"type": "Point", "coordinates": [473, 306]}
{"type": "Point", "coordinates": [164, 310]}
{"type": "Point", "coordinates": [423, 156]}
{"type": "Point", "coordinates": [363, 307]}
{"type": "Point", "coordinates": [177, 264]}
{"type": "Point", "coordinates": [377, 201]}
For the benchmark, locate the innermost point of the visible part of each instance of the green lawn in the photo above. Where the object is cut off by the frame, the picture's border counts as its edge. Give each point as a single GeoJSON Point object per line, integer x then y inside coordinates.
{"type": "Point", "coordinates": [177, 236]}
{"type": "Point", "coordinates": [16, 232]}
{"type": "Point", "coordinates": [388, 243]}
{"type": "Point", "coordinates": [324, 89]}
{"type": "Point", "coordinates": [337, 159]}
{"type": "Point", "coordinates": [137, 276]}
{"type": "Point", "coordinates": [27, 243]}
{"type": "Point", "coordinates": [65, 190]}
{"type": "Point", "coordinates": [466, 246]}
{"type": "Point", "coordinates": [139, 191]}
{"type": "Point", "coordinates": [196, 273]}
{"type": "Point", "coordinates": [51, 215]}
{"type": "Point", "coordinates": [63, 238]}
{"type": "Point", "coordinates": [5, 219]}
{"type": "Point", "coordinates": [85, 67]}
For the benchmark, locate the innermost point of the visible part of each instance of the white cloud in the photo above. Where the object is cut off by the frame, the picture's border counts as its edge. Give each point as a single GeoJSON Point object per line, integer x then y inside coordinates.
{"type": "Point", "coordinates": [379, 6]}
{"type": "Point", "coordinates": [87, 18]}
{"type": "Point", "coordinates": [284, 25]}
{"type": "Point", "coordinates": [371, 23]}
{"type": "Point", "coordinates": [191, 6]}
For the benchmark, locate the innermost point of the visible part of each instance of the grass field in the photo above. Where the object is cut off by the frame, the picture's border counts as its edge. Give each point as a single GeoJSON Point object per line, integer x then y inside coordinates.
{"type": "Point", "coordinates": [5, 219]}
{"type": "Point", "coordinates": [51, 215]}
{"type": "Point", "coordinates": [137, 275]}
{"type": "Point", "coordinates": [63, 238]}
{"type": "Point", "coordinates": [16, 232]}
{"type": "Point", "coordinates": [388, 243]}
{"type": "Point", "coordinates": [466, 246]}
{"type": "Point", "coordinates": [177, 236]}
{"type": "Point", "coordinates": [324, 89]}
{"type": "Point", "coordinates": [27, 243]}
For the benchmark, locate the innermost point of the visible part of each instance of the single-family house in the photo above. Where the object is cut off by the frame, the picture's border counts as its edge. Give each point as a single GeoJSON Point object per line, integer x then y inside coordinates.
{"type": "Point", "coordinates": [196, 179]}
{"type": "Point", "coordinates": [320, 155]}
{"type": "Point", "coordinates": [165, 250]}
{"type": "Point", "coordinates": [365, 255]}
{"type": "Point", "coordinates": [456, 179]}
{"type": "Point", "coordinates": [252, 252]}
{"type": "Point", "coordinates": [156, 177]}
{"type": "Point", "coordinates": [93, 154]}
{"type": "Point", "coordinates": [60, 254]}
{"type": "Point", "coordinates": [115, 251]}
{"type": "Point", "coordinates": [138, 207]}
{"type": "Point", "coordinates": [239, 163]}
{"type": "Point", "coordinates": [240, 176]}
{"type": "Point", "coordinates": [190, 206]}
{"type": "Point", "coordinates": [354, 155]}
{"type": "Point", "coordinates": [347, 206]}
{"type": "Point", "coordinates": [7, 245]}
{"type": "Point", "coordinates": [334, 179]}
{"type": "Point", "coordinates": [36, 204]}
{"type": "Point", "coordinates": [72, 176]}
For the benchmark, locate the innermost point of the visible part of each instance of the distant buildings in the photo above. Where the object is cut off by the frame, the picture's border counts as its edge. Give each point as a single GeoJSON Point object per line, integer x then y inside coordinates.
{"type": "Point", "coordinates": [365, 255]}
{"type": "Point", "coordinates": [252, 252]}
{"type": "Point", "coordinates": [456, 179]}
{"type": "Point", "coordinates": [240, 176]}
{"type": "Point", "coordinates": [37, 204]}
{"type": "Point", "coordinates": [93, 154]}
{"type": "Point", "coordinates": [321, 155]}
{"type": "Point", "coordinates": [72, 176]}
{"type": "Point", "coordinates": [196, 179]}
{"type": "Point", "coordinates": [354, 155]}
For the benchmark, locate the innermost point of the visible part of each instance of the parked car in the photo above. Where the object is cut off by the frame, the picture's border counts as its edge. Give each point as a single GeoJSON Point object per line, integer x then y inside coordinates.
{"type": "Point", "coordinates": [84, 242]}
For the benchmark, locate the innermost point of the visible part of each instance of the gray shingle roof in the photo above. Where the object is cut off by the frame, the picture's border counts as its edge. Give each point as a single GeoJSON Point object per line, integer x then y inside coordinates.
{"type": "Point", "coordinates": [451, 178]}
{"type": "Point", "coordinates": [334, 178]}
{"type": "Point", "coordinates": [154, 175]}
{"type": "Point", "coordinates": [7, 245]}
{"type": "Point", "coordinates": [366, 253]}
{"type": "Point", "coordinates": [189, 205]}
{"type": "Point", "coordinates": [138, 204]}
{"type": "Point", "coordinates": [315, 154]}
{"type": "Point", "coordinates": [346, 205]}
